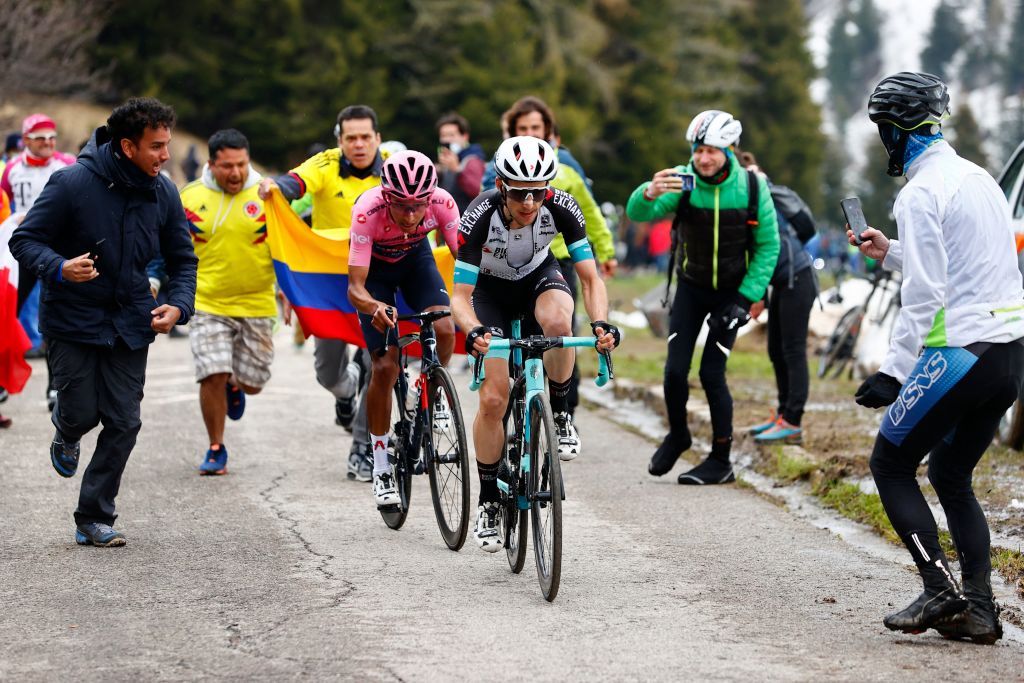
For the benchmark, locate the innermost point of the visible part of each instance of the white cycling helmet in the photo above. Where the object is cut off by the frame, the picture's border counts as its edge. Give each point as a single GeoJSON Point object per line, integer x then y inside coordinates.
{"type": "Point", "coordinates": [525, 158]}
{"type": "Point", "coordinates": [715, 128]}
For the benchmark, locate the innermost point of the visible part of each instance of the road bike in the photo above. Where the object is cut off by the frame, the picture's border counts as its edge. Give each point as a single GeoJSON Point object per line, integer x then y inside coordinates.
{"type": "Point", "coordinates": [840, 349]}
{"type": "Point", "coordinates": [429, 435]}
{"type": "Point", "coordinates": [530, 475]}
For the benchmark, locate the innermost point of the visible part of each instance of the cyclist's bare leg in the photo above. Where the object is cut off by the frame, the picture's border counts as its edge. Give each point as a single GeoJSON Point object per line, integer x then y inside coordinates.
{"type": "Point", "coordinates": [378, 394]}
{"type": "Point", "coordinates": [444, 329]}
{"type": "Point", "coordinates": [488, 435]}
{"type": "Point", "coordinates": [553, 312]}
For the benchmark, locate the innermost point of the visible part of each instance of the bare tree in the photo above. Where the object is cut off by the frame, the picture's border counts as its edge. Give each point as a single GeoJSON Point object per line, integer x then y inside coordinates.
{"type": "Point", "coordinates": [46, 46]}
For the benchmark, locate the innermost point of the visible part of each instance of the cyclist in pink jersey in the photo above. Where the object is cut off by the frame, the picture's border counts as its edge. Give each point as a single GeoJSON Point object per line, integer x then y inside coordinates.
{"type": "Point", "coordinates": [389, 253]}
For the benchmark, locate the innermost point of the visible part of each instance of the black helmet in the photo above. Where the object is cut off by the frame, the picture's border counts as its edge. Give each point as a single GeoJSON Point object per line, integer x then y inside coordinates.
{"type": "Point", "coordinates": [909, 100]}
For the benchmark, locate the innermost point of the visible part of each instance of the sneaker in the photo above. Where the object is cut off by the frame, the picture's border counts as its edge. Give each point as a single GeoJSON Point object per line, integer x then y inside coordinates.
{"type": "Point", "coordinates": [781, 431]}
{"type": "Point", "coordinates": [711, 471]}
{"type": "Point", "coordinates": [345, 412]}
{"type": "Point", "coordinates": [64, 456]}
{"type": "Point", "coordinates": [236, 402]}
{"type": "Point", "coordinates": [360, 463]}
{"type": "Point", "coordinates": [568, 438]}
{"type": "Point", "coordinates": [51, 399]}
{"type": "Point", "coordinates": [488, 534]}
{"type": "Point", "coordinates": [442, 419]}
{"type": "Point", "coordinates": [385, 490]}
{"type": "Point", "coordinates": [98, 534]}
{"type": "Point", "coordinates": [664, 459]}
{"type": "Point", "coordinates": [764, 426]}
{"type": "Point", "coordinates": [216, 461]}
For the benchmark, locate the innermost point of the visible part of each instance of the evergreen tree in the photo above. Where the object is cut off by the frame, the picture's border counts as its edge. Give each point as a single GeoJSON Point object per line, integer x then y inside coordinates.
{"type": "Point", "coordinates": [967, 136]}
{"type": "Point", "coordinates": [833, 185]}
{"type": "Point", "coordinates": [1014, 63]}
{"type": "Point", "coordinates": [854, 58]}
{"type": "Point", "coordinates": [944, 40]}
{"type": "Point", "coordinates": [781, 124]}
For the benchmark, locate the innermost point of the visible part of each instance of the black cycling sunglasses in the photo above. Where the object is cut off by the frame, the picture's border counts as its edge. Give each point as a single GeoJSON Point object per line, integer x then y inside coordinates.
{"type": "Point", "coordinates": [521, 194]}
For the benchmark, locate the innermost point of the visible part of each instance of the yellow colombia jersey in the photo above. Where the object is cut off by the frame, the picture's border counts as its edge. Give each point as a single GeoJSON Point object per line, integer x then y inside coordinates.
{"type": "Point", "coordinates": [334, 191]}
{"type": "Point", "coordinates": [229, 232]}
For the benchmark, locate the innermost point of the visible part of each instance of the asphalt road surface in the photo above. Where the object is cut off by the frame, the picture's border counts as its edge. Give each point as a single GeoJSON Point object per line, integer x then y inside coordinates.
{"type": "Point", "coordinates": [283, 569]}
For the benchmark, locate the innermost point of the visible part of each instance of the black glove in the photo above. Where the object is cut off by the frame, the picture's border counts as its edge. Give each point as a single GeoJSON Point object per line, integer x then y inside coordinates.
{"type": "Point", "coordinates": [473, 335]}
{"type": "Point", "coordinates": [608, 328]}
{"type": "Point", "coordinates": [878, 391]}
{"type": "Point", "coordinates": [734, 315]}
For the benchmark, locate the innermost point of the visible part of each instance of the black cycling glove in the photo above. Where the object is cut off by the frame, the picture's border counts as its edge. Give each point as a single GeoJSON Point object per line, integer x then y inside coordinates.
{"type": "Point", "coordinates": [473, 335]}
{"type": "Point", "coordinates": [878, 391]}
{"type": "Point", "coordinates": [734, 315]}
{"type": "Point", "coordinates": [608, 328]}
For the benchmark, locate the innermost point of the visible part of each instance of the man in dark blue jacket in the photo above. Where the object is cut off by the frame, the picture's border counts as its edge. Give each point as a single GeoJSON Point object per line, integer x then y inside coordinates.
{"type": "Point", "coordinates": [88, 238]}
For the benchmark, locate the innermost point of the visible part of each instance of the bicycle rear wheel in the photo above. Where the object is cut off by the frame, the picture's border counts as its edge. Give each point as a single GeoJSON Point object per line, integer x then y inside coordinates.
{"type": "Point", "coordinates": [513, 521]}
{"type": "Point", "coordinates": [545, 494]}
{"type": "Point", "coordinates": [448, 461]}
{"type": "Point", "coordinates": [839, 349]}
{"type": "Point", "coordinates": [394, 515]}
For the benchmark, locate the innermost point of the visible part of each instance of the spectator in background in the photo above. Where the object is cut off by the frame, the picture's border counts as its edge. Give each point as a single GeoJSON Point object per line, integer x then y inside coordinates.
{"type": "Point", "coordinates": [12, 147]}
{"type": "Point", "coordinates": [90, 236]}
{"type": "Point", "coordinates": [792, 290]}
{"type": "Point", "coordinates": [460, 164]}
{"type": "Point", "coordinates": [190, 166]}
{"type": "Point", "coordinates": [659, 243]}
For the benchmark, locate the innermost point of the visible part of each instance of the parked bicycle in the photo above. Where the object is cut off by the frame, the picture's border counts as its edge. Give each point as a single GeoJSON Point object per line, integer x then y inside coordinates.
{"type": "Point", "coordinates": [530, 475]}
{"type": "Point", "coordinates": [839, 351]}
{"type": "Point", "coordinates": [430, 436]}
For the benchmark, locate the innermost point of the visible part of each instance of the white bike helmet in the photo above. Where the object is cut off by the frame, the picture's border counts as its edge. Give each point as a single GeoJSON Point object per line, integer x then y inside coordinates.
{"type": "Point", "coordinates": [715, 128]}
{"type": "Point", "coordinates": [525, 158]}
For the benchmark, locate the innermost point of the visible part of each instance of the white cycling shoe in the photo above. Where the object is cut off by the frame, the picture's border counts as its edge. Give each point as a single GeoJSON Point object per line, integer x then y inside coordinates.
{"type": "Point", "coordinates": [568, 437]}
{"type": "Point", "coordinates": [487, 532]}
{"type": "Point", "coordinates": [442, 419]}
{"type": "Point", "coordinates": [385, 490]}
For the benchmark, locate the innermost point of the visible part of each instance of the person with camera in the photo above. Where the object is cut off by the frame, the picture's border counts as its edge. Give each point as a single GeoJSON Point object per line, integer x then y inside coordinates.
{"type": "Point", "coordinates": [725, 227]}
{"type": "Point", "coordinates": [460, 164]}
{"type": "Point", "coordinates": [956, 360]}
{"type": "Point", "coordinates": [89, 237]}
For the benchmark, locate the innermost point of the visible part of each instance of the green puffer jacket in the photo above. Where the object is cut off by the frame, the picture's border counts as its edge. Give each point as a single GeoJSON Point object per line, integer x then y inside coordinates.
{"type": "Point", "coordinates": [718, 249]}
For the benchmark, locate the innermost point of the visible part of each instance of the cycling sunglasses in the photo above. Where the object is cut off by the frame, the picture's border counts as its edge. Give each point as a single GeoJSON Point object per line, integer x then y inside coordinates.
{"type": "Point", "coordinates": [42, 136]}
{"type": "Point", "coordinates": [521, 194]}
{"type": "Point", "coordinates": [407, 207]}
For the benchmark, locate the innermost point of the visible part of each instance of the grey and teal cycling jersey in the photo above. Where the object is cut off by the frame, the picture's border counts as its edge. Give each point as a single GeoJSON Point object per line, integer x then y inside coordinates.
{"type": "Point", "coordinates": [488, 247]}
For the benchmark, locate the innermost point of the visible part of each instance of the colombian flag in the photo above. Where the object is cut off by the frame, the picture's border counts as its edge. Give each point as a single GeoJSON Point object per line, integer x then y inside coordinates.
{"type": "Point", "coordinates": [312, 271]}
{"type": "Point", "coordinates": [14, 371]}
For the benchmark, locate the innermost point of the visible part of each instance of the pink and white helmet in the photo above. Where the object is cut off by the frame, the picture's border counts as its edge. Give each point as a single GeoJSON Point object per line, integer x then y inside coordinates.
{"type": "Point", "coordinates": [408, 176]}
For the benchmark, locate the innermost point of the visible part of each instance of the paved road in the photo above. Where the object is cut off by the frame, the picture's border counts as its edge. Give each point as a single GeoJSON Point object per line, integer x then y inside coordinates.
{"type": "Point", "coordinates": [284, 570]}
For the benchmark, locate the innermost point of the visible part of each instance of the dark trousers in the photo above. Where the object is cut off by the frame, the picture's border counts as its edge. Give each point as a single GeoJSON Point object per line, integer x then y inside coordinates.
{"type": "Point", "coordinates": [572, 399]}
{"type": "Point", "coordinates": [690, 307]}
{"type": "Point", "coordinates": [788, 312]}
{"type": "Point", "coordinates": [97, 384]}
{"type": "Point", "coordinates": [951, 410]}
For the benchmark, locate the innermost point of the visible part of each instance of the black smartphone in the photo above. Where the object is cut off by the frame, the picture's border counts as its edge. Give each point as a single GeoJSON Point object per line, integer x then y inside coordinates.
{"type": "Point", "coordinates": [94, 253]}
{"type": "Point", "coordinates": [854, 217]}
{"type": "Point", "coordinates": [688, 181]}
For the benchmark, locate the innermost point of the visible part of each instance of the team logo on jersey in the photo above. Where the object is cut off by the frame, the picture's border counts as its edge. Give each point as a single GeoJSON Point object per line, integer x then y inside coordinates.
{"type": "Point", "coordinates": [252, 209]}
{"type": "Point", "coordinates": [202, 207]}
{"type": "Point", "coordinates": [450, 204]}
{"type": "Point", "coordinates": [430, 223]}
{"type": "Point", "coordinates": [361, 218]}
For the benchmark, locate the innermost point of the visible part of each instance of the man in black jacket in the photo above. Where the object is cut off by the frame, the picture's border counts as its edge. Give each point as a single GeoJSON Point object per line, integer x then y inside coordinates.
{"type": "Point", "coordinates": [89, 237]}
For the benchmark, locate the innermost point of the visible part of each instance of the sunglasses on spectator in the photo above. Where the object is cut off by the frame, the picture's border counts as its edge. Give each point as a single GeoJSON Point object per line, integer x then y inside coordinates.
{"type": "Point", "coordinates": [42, 136]}
{"type": "Point", "coordinates": [521, 194]}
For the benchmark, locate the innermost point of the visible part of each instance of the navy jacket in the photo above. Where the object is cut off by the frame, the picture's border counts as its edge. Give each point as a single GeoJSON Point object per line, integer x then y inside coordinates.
{"type": "Point", "coordinates": [106, 197]}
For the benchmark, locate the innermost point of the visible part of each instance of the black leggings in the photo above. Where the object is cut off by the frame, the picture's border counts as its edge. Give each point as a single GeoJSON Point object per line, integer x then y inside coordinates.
{"type": "Point", "coordinates": [950, 406]}
{"type": "Point", "coordinates": [690, 307]}
{"type": "Point", "coordinates": [788, 312]}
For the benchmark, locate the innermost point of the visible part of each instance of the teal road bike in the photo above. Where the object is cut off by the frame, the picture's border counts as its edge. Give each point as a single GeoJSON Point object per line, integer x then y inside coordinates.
{"type": "Point", "coordinates": [530, 475]}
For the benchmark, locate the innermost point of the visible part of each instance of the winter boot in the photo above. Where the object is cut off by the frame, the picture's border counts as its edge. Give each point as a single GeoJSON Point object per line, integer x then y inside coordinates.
{"type": "Point", "coordinates": [941, 600]}
{"type": "Point", "coordinates": [980, 622]}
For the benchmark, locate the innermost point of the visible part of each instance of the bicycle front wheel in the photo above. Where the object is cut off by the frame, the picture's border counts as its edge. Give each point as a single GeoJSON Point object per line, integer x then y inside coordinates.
{"type": "Point", "coordinates": [514, 521]}
{"type": "Point", "coordinates": [840, 347]}
{"type": "Point", "coordinates": [448, 459]}
{"type": "Point", "coordinates": [545, 496]}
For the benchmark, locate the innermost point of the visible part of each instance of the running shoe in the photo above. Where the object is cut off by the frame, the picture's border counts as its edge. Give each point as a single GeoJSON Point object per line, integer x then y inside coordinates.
{"type": "Point", "coordinates": [236, 402]}
{"type": "Point", "coordinates": [385, 489]}
{"type": "Point", "coordinates": [568, 437]}
{"type": "Point", "coordinates": [664, 459]}
{"type": "Point", "coordinates": [64, 455]}
{"type": "Point", "coordinates": [711, 471]}
{"type": "Point", "coordinates": [765, 426]}
{"type": "Point", "coordinates": [488, 533]}
{"type": "Point", "coordinates": [98, 534]}
{"type": "Point", "coordinates": [5, 422]}
{"type": "Point", "coordinates": [781, 431]}
{"type": "Point", "coordinates": [216, 461]}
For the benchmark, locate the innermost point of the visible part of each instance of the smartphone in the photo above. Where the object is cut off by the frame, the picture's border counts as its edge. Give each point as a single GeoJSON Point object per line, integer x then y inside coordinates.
{"type": "Point", "coordinates": [94, 253]}
{"type": "Point", "coordinates": [854, 217]}
{"type": "Point", "coordinates": [688, 181]}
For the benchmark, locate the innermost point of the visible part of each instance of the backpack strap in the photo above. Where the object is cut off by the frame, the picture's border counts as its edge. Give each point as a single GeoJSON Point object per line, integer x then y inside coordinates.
{"type": "Point", "coordinates": [682, 212]}
{"type": "Point", "coordinates": [753, 190]}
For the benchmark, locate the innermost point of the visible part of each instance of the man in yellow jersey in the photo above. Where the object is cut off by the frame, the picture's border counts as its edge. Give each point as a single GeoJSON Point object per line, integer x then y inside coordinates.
{"type": "Point", "coordinates": [231, 332]}
{"type": "Point", "coordinates": [336, 178]}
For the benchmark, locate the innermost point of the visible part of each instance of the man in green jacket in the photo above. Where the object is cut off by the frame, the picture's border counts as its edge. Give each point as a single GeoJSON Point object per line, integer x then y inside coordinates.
{"type": "Point", "coordinates": [728, 242]}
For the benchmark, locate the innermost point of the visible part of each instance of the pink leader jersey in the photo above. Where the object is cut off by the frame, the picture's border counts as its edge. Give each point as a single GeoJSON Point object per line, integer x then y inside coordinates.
{"type": "Point", "coordinates": [375, 235]}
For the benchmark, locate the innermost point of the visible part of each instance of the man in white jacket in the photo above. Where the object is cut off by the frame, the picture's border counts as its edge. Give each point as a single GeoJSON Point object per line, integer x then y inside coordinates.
{"type": "Point", "coordinates": [955, 363]}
